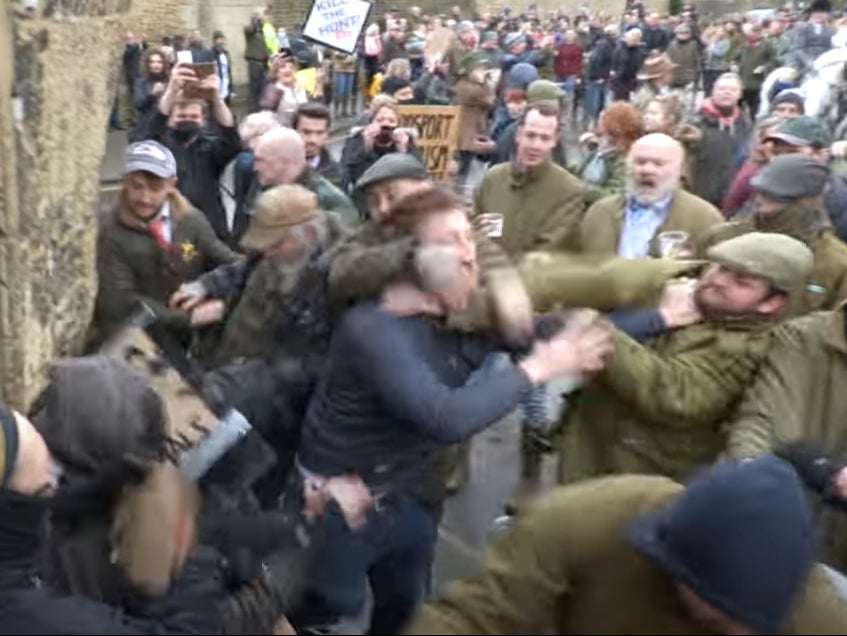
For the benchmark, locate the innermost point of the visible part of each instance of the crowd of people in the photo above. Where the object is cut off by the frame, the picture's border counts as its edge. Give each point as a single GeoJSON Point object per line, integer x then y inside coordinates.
{"type": "Point", "coordinates": [626, 251]}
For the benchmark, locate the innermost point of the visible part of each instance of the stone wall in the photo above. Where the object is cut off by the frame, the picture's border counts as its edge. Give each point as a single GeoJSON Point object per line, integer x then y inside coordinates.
{"type": "Point", "coordinates": [55, 95]}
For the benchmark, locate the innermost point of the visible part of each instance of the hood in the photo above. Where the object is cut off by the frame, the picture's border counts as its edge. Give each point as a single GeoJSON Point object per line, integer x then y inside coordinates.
{"type": "Point", "coordinates": [101, 419]}
{"type": "Point", "coordinates": [711, 114]}
{"type": "Point", "coordinates": [688, 135]}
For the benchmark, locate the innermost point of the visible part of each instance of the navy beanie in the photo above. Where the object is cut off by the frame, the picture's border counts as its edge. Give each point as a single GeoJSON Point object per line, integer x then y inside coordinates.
{"type": "Point", "coordinates": [742, 537]}
{"type": "Point", "coordinates": [521, 75]}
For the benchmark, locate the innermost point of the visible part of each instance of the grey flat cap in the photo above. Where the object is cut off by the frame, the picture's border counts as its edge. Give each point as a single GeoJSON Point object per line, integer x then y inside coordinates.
{"type": "Point", "coordinates": [792, 176]}
{"type": "Point", "coordinates": [396, 165]}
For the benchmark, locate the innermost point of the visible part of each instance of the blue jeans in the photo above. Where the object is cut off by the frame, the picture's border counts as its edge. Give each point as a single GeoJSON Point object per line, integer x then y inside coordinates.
{"type": "Point", "coordinates": [393, 551]}
{"type": "Point", "coordinates": [568, 84]}
{"type": "Point", "coordinates": [595, 98]}
{"type": "Point", "coordinates": [343, 84]}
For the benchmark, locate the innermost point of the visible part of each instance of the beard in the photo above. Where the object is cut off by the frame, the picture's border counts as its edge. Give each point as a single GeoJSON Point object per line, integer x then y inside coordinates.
{"type": "Point", "coordinates": [710, 303]}
{"type": "Point", "coordinates": [650, 192]}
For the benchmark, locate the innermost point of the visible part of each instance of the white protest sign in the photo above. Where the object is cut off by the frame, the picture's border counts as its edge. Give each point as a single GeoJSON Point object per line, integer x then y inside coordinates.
{"type": "Point", "coordinates": [337, 23]}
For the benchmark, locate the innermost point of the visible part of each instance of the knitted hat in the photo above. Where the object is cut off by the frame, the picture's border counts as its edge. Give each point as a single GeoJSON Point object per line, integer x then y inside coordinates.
{"type": "Point", "coordinates": [513, 39]}
{"type": "Point", "coordinates": [789, 96]}
{"type": "Point", "coordinates": [489, 36]}
{"type": "Point", "coordinates": [521, 75]}
{"type": "Point", "coordinates": [278, 210]}
{"type": "Point", "coordinates": [741, 537]}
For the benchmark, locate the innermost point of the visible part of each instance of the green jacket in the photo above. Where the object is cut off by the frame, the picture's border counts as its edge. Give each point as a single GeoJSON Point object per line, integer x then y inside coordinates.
{"type": "Point", "coordinates": [799, 394]}
{"type": "Point", "coordinates": [541, 208]}
{"type": "Point", "coordinates": [614, 173]}
{"type": "Point", "coordinates": [601, 228]}
{"type": "Point", "coordinates": [657, 408]}
{"type": "Point", "coordinates": [762, 56]}
{"type": "Point", "coordinates": [132, 268]}
{"type": "Point", "coordinates": [566, 568]}
{"type": "Point", "coordinates": [331, 198]}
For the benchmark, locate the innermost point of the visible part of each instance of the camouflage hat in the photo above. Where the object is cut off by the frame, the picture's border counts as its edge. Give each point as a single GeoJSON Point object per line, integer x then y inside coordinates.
{"type": "Point", "coordinates": [802, 131]}
{"type": "Point", "coordinates": [783, 261]}
{"type": "Point", "coordinates": [791, 176]}
{"type": "Point", "coordinates": [468, 63]}
{"type": "Point", "coordinates": [542, 90]}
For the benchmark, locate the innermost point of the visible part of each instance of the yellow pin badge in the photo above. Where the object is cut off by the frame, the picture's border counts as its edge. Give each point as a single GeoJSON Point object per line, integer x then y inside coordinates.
{"type": "Point", "coordinates": [189, 251]}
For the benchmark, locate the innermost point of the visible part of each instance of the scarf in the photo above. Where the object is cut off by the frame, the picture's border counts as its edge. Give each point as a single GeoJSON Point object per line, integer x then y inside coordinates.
{"type": "Point", "coordinates": [725, 119]}
{"type": "Point", "coordinates": [803, 224]}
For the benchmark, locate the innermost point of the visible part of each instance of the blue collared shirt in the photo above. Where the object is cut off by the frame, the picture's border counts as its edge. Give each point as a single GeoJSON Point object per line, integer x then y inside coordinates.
{"type": "Point", "coordinates": [640, 224]}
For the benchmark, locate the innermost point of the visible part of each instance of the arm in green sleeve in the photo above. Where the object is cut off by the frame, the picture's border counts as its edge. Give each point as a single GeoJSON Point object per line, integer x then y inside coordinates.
{"type": "Point", "coordinates": [687, 389]}
{"type": "Point", "coordinates": [771, 411]}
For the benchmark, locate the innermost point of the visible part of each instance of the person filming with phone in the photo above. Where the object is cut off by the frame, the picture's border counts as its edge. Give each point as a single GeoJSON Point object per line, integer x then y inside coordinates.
{"type": "Point", "coordinates": [202, 150]}
{"type": "Point", "coordinates": [382, 136]}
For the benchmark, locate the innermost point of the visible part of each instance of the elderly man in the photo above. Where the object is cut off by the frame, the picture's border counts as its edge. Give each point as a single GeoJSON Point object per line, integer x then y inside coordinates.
{"type": "Point", "coordinates": [279, 158]}
{"type": "Point", "coordinates": [726, 132]}
{"type": "Point", "coordinates": [788, 201]}
{"type": "Point", "coordinates": [657, 407]}
{"type": "Point", "coordinates": [152, 242]}
{"type": "Point", "coordinates": [731, 553]}
{"type": "Point", "coordinates": [386, 404]}
{"type": "Point", "coordinates": [653, 202]}
{"type": "Point", "coordinates": [538, 203]}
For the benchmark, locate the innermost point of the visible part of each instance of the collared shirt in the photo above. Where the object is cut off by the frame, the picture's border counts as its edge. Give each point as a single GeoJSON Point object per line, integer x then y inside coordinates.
{"type": "Point", "coordinates": [639, 226]}
{"type": "Point", "coordinates": [167, 224]}
{"type": "Point", "coordinates": [315, 161]}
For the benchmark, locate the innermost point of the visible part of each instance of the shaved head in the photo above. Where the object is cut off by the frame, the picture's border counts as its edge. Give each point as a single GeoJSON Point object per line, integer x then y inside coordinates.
{"type": "Point", "coordinates": [279, 157]}
{"type": "Point", "coordinates": [654, 168]}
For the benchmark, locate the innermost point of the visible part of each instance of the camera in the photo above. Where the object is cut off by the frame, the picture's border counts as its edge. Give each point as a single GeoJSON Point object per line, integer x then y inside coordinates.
{"type": "Point", "coordinates": [385, 137]}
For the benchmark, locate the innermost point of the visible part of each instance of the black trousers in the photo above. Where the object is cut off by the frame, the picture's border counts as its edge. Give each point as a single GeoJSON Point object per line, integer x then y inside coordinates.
{"type": "Point", "coordinates": [750, 98]}
{"type": "Point", "coordinates": [257, 72]}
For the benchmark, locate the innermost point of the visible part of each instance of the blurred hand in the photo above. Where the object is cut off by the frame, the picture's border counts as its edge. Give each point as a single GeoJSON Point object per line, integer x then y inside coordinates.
{"type": "Point", "coordinates": [588, 138]}
{"type": "Point", "coordinates": [181, 74]}
{"type": "Point", "coordinates": [352, 496]}
{"type": "Point", "coordinates": [369, 135]}
{"type": "Point", "coordinates": [208, 313]}
{"type": "Point", "coordinates": [483, 146]}
{"type": "Point", "coordinates": [677, 305]}
{"type": "Point", "coordinates": [584, 346]}
{"type": "Point", "coordinates": [401, 139]}
{"type": "Point", "coordinates": [157, 89]}
{"type": "Point", "coordinates": [188, 296]}
{"type": "Point", "coordinates": [212, 84]}
{"type": "Point", "coordinates": [839, 483]}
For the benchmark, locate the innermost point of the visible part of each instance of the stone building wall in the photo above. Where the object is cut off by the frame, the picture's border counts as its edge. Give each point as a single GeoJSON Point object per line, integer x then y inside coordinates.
{"type": "Point", "coordinates": [56, 85]}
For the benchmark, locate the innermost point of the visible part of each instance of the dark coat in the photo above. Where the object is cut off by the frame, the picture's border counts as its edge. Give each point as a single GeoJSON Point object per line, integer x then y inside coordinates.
{"type": "Point", "coordinates": [132, 268]}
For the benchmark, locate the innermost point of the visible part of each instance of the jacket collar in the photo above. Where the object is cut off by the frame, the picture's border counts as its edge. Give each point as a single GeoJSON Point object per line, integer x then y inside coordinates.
{"type": "Point", "coordinates": [521, 178]}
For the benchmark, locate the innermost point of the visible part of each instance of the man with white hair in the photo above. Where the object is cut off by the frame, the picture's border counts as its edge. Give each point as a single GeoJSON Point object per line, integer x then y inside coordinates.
{"type": "Point", "coordinates": [653, 202]}
{"type": "Point", "coordinates": [279, 158]}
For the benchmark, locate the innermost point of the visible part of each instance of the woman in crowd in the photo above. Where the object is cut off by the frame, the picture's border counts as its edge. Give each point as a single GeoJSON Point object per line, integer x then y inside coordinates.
{"type": "Point", "coordinates": [665, 115]}
{"type": "Point", "coordinates": [604, 171]}
{"type": "Point", "coordinates": [155, 72]}
{"type": "Point", "coordinates": [285, 95]}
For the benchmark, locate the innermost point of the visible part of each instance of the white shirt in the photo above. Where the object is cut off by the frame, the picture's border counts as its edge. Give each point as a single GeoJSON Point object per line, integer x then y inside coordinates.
{"type": "Point", "coordinates": [167, 225]}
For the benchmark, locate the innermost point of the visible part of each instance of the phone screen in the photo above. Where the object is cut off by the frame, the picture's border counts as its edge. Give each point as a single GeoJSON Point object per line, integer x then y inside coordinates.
{"type": "Point", "coordinates": [184, 57]}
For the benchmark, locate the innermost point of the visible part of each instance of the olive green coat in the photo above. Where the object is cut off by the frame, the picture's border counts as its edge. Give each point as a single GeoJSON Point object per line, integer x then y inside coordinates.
{"type": "Point", "coordinates": [601, 228]}
{"type": "Point", "coordinates": [657, 408]}
{"type": "Point", "coordinates": [826, 286]}
{"type": "Point", "coordinates": [567, 569]}
{"type": "Point", "coordinates": [800, 393]}
{"type": "Point", "coordinates": [541, 208]}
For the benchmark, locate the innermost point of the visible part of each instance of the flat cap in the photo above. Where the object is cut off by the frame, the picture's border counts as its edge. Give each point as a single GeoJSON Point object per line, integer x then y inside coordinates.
{"type": "Point", "coordinates": [783, 261]}
{"type": "Point", "coordinates": [791, 176]}
{"type": "Point", "coordinates": [802, 131]}
{"type": "Point", "coordinates": [396, 165]}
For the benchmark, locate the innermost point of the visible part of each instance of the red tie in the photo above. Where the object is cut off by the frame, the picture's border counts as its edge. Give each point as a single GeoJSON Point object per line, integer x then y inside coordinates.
{"type": "Point", "coordinates": [157, 229]}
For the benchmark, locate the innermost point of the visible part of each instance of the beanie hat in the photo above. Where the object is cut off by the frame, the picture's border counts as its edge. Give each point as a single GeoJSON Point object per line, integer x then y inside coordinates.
{"type": "Point", "coordinates": [512, 39]}
{"type": "Point", "coordinates": [741, 537]}
{"type": "Point", "coordinates": [789, 96]}
{"type": "Point", "coordinates": [521, 75]}
{"type": "Point", "coordinates": [489, 36]}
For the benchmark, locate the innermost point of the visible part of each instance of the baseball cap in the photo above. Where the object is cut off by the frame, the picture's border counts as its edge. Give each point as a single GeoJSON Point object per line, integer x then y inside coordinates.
{"type": "Point", "coordinates": [801, 131]}
{"type": "Point", "coordinates": [152, 157]}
